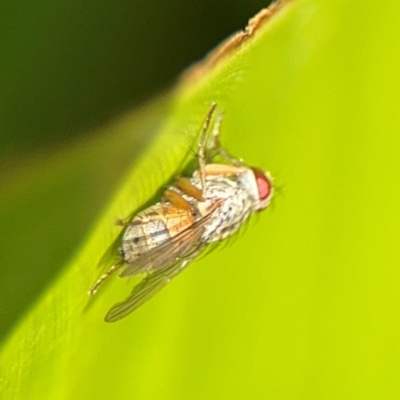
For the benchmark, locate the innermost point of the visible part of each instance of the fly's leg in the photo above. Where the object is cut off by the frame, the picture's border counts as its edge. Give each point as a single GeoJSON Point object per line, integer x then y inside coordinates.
{"type": "Point", "coordinates": [103, 277]}
{"type": "Point", "coordinates": [202, 146]}
{"type": "Point", "coordinates": [224, 170]}
{"type": "Point", "coordinates": [188, 188]}
{"type": "Point", "coordinates": [215, 143]}
{"type": "Point", "coordinates": [121, 222]}
{"type": "Point", "coordinates": [178, 201]}
{"type": "Point", "coordinates": [236, 165]}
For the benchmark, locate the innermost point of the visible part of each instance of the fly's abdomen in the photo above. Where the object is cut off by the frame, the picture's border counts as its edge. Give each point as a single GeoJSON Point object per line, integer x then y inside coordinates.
{"type": "Point", "coordinates": [153, 227]}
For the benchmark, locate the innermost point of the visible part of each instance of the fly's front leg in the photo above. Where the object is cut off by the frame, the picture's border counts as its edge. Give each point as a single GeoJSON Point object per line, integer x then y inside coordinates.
{"type": "Point", "coordinates": [224, 170]}
{"type": "Point", "coordinates": [215, 143]}
{"type": "Point", "coordinates": [202, 146]}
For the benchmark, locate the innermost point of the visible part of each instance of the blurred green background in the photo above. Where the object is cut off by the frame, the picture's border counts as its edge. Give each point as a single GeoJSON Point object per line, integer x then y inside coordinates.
{"type": "Point", "coordinates": [304, 305]}
{"type": "Point", "coordinates": [69, 66]}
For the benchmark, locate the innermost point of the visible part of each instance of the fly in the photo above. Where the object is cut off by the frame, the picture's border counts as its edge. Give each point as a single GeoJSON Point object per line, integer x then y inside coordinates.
{"type": "Point", "coordinates": [207, 207]}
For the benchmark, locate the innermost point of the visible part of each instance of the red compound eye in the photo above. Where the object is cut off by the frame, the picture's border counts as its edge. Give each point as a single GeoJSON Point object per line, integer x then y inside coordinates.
{"type": "Point", "coordinates": [263, 183]}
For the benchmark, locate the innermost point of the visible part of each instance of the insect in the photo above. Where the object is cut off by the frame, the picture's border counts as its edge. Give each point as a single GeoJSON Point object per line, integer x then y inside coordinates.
{"type": "Point", "coordinates": [207, 207]}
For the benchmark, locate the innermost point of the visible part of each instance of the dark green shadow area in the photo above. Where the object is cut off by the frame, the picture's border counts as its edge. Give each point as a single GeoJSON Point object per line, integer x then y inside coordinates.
{"type": "Point", "coordinates": [67, 67]}
{"type": "Point", "coordinates": [48, 204]}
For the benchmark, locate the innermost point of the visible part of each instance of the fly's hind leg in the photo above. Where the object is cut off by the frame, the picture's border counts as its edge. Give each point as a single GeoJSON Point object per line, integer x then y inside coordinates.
{"type": "Point", "coordinates": [103, 277]}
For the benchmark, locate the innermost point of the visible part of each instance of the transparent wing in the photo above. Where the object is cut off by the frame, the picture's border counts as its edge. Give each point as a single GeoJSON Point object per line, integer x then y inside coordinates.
{"type": "Point", "coordinates": [167, 253]}
{"type": "Point", "coordinates": [151, 285]}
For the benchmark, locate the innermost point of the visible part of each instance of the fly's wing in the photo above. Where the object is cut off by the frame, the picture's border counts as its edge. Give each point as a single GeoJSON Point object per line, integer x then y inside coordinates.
{"type": "Point", "coordinates": [165, 262]}
{"type": "Point", "coordinates": [150, 285]}
{"type": "Point", "coordinates": [167, 253]}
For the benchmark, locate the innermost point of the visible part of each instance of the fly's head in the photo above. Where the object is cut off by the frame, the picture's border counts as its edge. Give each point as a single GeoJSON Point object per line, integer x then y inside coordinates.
{"type": "Point", "coordinates": [259, 186]}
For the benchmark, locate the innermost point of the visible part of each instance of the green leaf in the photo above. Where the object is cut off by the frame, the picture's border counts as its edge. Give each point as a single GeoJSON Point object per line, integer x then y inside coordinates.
{"type": "Point", "coordinates": [305, 304]}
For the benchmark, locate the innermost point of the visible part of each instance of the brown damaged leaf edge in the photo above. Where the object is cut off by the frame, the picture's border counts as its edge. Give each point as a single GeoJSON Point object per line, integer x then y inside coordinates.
{"type": "Point", "coordinates": [231, 44]}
